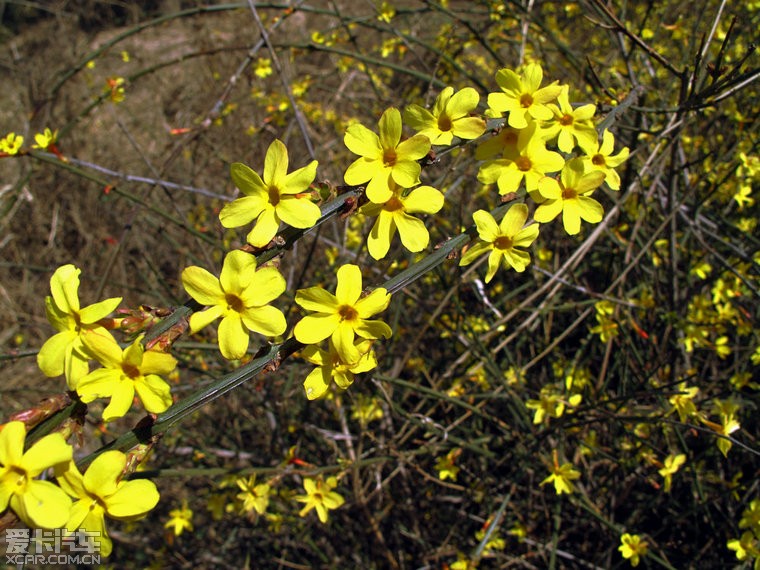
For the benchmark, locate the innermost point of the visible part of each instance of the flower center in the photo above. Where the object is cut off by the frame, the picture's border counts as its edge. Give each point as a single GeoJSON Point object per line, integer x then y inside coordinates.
{"type": "Point", "coordinates": [566, 120]}
{"type": "Point", "coordinates": [503, 242]}
{"type": "Point", "coordinates": [130, 370]}
{"type": "Point", "coordinates": [21, 479]}
{"type": "Point", "coordinates": [569, 193]}
{"type": "Point", "coordinates": [274, 195]}
{"type": "Point", "coordinates": [523, 163]}
{"type": "Point", "coordinates": [347, 313]}
{"type": "Point", "coordinates": [393, 204]}
{"type": "Point", "coordinates": [234, 302]}
{"type": "Point", "coordinates": [598, 160]}
{"type": "Point", "coordinates": [526, 100]}
{"type": "Point", "coordinates": [444, 123]}
{"type": "Point", "coordinates": [389, 157]}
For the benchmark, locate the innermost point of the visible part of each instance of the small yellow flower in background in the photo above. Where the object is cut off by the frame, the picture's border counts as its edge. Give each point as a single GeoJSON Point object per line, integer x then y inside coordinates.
{"type": "Point", "coordinates": [320, 496]}
{"type": "Point", "coordinates": [606, 326]}
{"type": "Point", "coordinates": [751, 517]}
{"type": "Point", "coordinates": [727, 411]}
{"type": "Point", "coordinates": [63, 353]}
{"type": "Point", "coordinates": [331, 368]}
{"type": "Point", "coordinates": [343, 315]}
{"type": "Point", "coordinates": [263, 67]}
{"type": "Point", "coordinates": [671, 465]}
{"type": "Point", "coordinates": [632, 547]}
{"type": "Point", "coordinates": [125, 372]}
{"type": "Point", "coordinates": [278, 197]}
{"type": "Point", "coordinates": [100, 492]}
{"type": "Point", "coordinates": [682, 402]}
{"type": "Point", "coordinates": [385, 12]}
{"type": "Point", "coordinates": [384, 157]}
{"type": "Point", "coordinates": [551, 404]}
{"type": "Point", "coordinates": [44, 139]}
{"type": "Point", "coordinates": [11, 143]}
{"type": "Point", "coordinates": [561, 476]}
{"type": "Point", "coordinates": [181, 519]}
{"type": "Point", "coordinates": [446, 466]}
{"type": "Point", "coordinates": [37, 503]}
{"type": "Point", "coordinates": [570, 196]}
{"type": "Point", "coordinates": [449, 118]}
{"type": "Point", "coordinates": [599, 158]}
{"type": "Point", "coordinates": [366, 409]}
{"type": "Point", "coordinates": [124, 56]}
{"type": "Point", "coordinates": [254, 497]}
{"type": "Point", "coordinates": [531, 162]}
{"type": "Point", "coordinates": [115, 89]}
{"type": "Point", "coordinates": [572, 125]}
{"type": "Point", "coordinates": [394, 213]}
{"type": "Point", "coordinates": [241, 297]}
{"type": "Point", "coordinates": [522, 95]}
{"type": "Point", "coordinates": [746, 547]}
{"type": "Point", "coordinates": [502, 240]}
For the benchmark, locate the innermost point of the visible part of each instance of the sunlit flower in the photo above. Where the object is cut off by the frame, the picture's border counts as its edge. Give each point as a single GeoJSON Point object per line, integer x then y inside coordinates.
{"type": "Point", "coordinates": [254, 497]}
{"type": "Point", "coordinates": [241, 297]}
{"type": "Point", "coordinates": [502, 240]}
{"type": "Point", "coordinates": [278, 197]}
{"type": "Point", "coordinates": [562, 476]}
{"type": "Point", "coordinates": [395, 214]}
{"type": "Point", "coordinates": [670, 467]}
{"type": "Point", "coordinates": [63, 353]}
{"type": "Point", "coordinates": [747, 546]}
{"type": "Point", "coordinates": [522, 95]}
{"type": "Point", "coordinates": [385, 12]}
{"type": "Point", "coordinates": [37, 503]}
{"type": "Point", "coordinates": [572, 125]}
{"type": "Point", "coordinates": [45, 139]}
{"type": "Point", "coordinates": [124, 373]}
{"type": "Point", "coordinates": [446, 465]}
{"type": "Point", "coordinates": [570, 196]}
{"type": "Point", "coordinates": [343, 315]}
{"type": "Point", "coordinates": [632, 547]}
{"type": "Point", "coordinates": [320, 496]}
{"type": "Point", "coordinates": [384, 157]}
{"type": "Point", "coordinates": [11, 143]}
{"type": "Point", "coordinates": [101, 492]}
{"type": "Point", "coordinates": [180, 519]}
{"type": "Point", "coordinates": [599, 157]}
{"type": "Point", "coordinates": [449, 118]}
{"type": "Point", "coordinates": [331, 368]}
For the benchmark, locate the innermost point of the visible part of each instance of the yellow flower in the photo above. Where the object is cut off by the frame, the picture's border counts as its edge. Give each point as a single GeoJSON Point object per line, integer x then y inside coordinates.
{"type": "Point", "coordinates": [36, 503]}
{"type": "Point", "coordinates": [449, 118]}
{"type": "Point", "coordinates": [278, 197]}
{"type": "Point", "coordinates": [11, 143]}
{"type": "Point", "coordinates": [241, 296]}
{"type": "Point", "coordinates": [320, 496]}
{"type": "Point", "coordinates": [571, 125]}
{"type": "Point", "coordinates": [502, 240]}
{"type": "Point", "coordinates": [632, 548]}
{"type": "Point", "coordinates": [745, 547]}
{"type": "Point", "coordinates": [562, 476]}
{"type": "Point", "coordinates": [599, 157]}
{"type": "Point", "coordinates": [522, 95]}
{"type": "Point", "coordinates": [385, 157]}
{"type": "Point", "coordinates": [263, 67]}
{"type": "Point", "coordinates": [446, 466]}
{"type": "Point", "coordinates": [394, 214]}
{"type": "Point", "coordinates": [101, 492]}
{"type": "Point", "coordinates": [254, 497]}
{"type": "Point", "coordinates": [330, 367]}
{"type": "Point", "coordinates": [181, 519]}
{"type": "Point", "coordinates": [342, 315]}
{"type": "Point", "coordinates": [45, 139]}
{"type": "Point", "coordinates": [63, 353]}
{"type": "Point", "coordinates": [671, 465]}
{"type": "Point", "coordinates": [570, 196]}
{"type": "Point", "coordinates": [530, 163]}
{"type": "Point", "coordinates": [385, 12]}
{"type": "Point", "coordinates": [125, 372]}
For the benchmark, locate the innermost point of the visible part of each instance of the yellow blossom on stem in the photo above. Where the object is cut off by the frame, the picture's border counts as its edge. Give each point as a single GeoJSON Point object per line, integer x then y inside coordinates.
{"type": "Point", "coordinates": [503, 144]}
{"type": "Point", "coordinates": [632, 547]}
{"type": "Point", "coordinates": [751, 517]}
{"type": "Point", "coordinates": [682, 402]}
{"type": "Point", "coordinates": [531, 162]}
{"type": "Point", "coordinates": [254, 497]}
{"type": "Point", "coordinates": [562, 476]}
{"type": "Point", "coordinates": [331, 368]}
{"type": "Point", "coordinates": [320, 496]}
{"type": "Point", "coordinates": [11, 143]}
{"type": "Point", "coordinates": [502, 240]}
{"type": "Point", "coordinates": [449, 118]}
{"type": "Point", "coordinates": [385, 12]}
{"type": "Point", "coordinates": [101, 492]}
{"type": "Point", "coordinates": [571, 125]}
{"type": "Point", "coordinates": [394, 214]}
{"type": "Point", "coordinates": [446, 465]}
{"type": "Point", "coordinates": [44, 139]}
{"type": "Point", "coordinates": [124, 373]}
{"type": "Point", "coordinates": [63, 353]}
{"type": "Point", "coordinates": [343, 315]}
{"type": "Point", "coordinates": [670, 467]}
{"type": "Point", "coordinates": [180, 519]}
{"type": "Point", "coordinates": [522, 95]}
{"type": "Point", "coordinates": [746, 547]}
{"type": "Point", "coordinates": [570, 196]}
{"type": "Point", "coordinates": [599, 158]}
{"type": "Point", "coordinates": [37, 503]}
{"type": "Point", "coordinates": [276, 197]}
{"type": "Point", "coordinates": [384, 157]}
{"type": "Point", "coordinates": [241, 297]}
